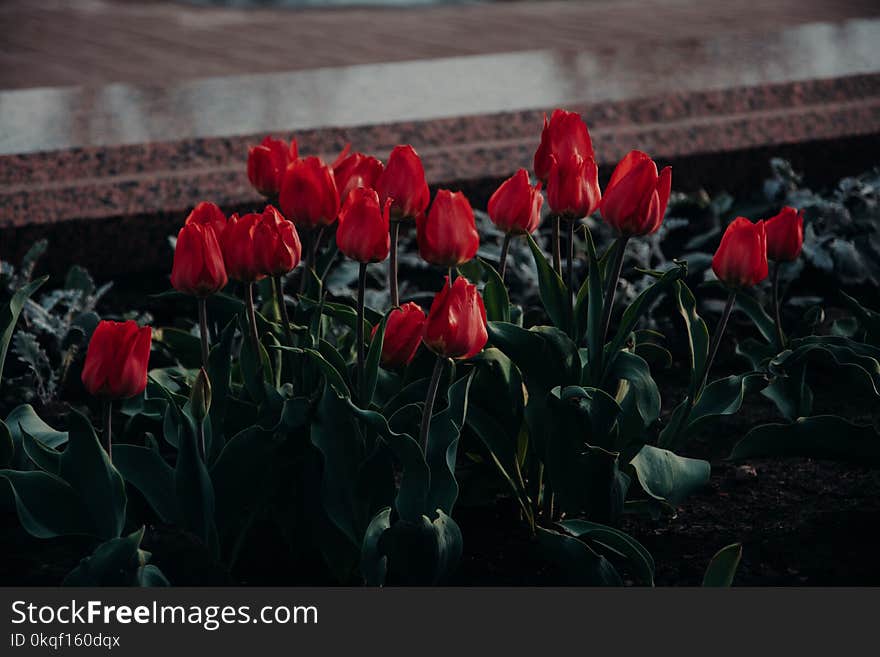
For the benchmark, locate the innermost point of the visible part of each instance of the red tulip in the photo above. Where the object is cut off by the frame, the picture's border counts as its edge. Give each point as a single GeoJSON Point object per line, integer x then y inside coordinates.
{"type": "Point", "coordinates": [356, 170]}
{"type": "Point", "coordinates": [198, 267]}
{"type": "Point", "coordinates": [573, 187]}
{"type": "Point", "coordinates": [239, 251]}
{"type": "Point", "coordinates": [116, 360]}
{"type": "Point", "coordinates": [363, 234]}
{"type": "Point", "coordinates": [635, 199]}
{"type": "Point", "coordinates": [308, 193]}
{"type": "Point", "coordinates": [515, 207]}
{"type": "Point", "coordinates": [448, 236]}
{"type": "Point", "coordinates": [785, 235]}
{"type": "Point", "coordinates": [403, 181]}
{"type": "Point", "coordinates": [267, 164]}
{"type": "Point", "coordinates": [208, 214]}
{"type": "Point", "coordinates": [276, 243]}
{"type": "Point", "coordinates": [456, 324]}
{"type": "Point", "coordinates": [564, 135]}
{"type": "Point", "coordinates": [403, 335]}
{"type": "Point", "coordinates": [741, 258]}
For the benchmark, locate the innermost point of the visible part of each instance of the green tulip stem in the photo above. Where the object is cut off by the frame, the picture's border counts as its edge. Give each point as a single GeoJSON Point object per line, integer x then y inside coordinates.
{"type": "Point", "coordinates": [502, 262]}
{"type": "Point", "coordinates": [611, 287]}
{"type": "Point", "coordinates": [777, 315]}
{"type": "Point", "coordinates": [451, 273]}
{"type": "Point", "coordinates": [203, 329]}
{"type": "Point", "coordinates": [392, 265]}
{"type": "Point", "coordinates": [252, 320]}
{"type": "Point", "coordinates": [362, 288]}
{"type": "Point", "coordinates": [716, 342]}
{"type": "Point", "coordinates": [570, 269]}
{"type": "Point", "coordinates": [557, 255]}
{"type": "Point", "coordinates": [107, 435]}
{"type": "Point", "coordinates": [278, 288]}
{"type": "Point", "coordinates": [431, 397]}
{"type": "Point", "coordinates": [307, 237]}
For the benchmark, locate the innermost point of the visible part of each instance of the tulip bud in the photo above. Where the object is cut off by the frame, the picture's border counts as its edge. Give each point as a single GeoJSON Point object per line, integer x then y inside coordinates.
{"type": "Point", "coordinates": [515, 207]}
{"type": "Point", "coordinates": [448, 236]}
{"type": "Point", "coordinates": [573, 187]}
{"type": "Point", "coordinates": [741, 258]}
{"type": "Point", "coordinates": [456, 324]}
{"type": "Point", "coordinates": [635, 200]}
{"type": "Point", "coordinates": [403, 335]}
{"type": "Point", "coordinates": [198, 267]}
{"type": "Point", "coordinates": [563, 136]}
{"type": "Point", "coordinates": [403, 181]}
{"type": "Point", "coordinates": [363, 234]}
{"type": "Point", "coordinates": [208, 214]}
{"type": "Point", "coordinates": [239, 251]}
{"type": "Point", "coordinates": [356, 170]}
{"type": "Point", "coordinates": [277, 248]}
{"type": "Point", "coordinates": [116, 360]}
{"type": "Point", "coordinates": [785, 235]}
{"type": "Point", "coordinates": [267, 164]}
{"type": "Point", "coordinates": [309, 197]}
{"type": "Point", "coordinates": [200, 396]}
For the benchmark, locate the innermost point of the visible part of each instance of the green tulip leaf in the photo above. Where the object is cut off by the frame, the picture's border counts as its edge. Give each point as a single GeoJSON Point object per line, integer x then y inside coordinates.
{"type": "Point", "coordinates": [87, 468]}
{"type": "Point", "coordinates": [819, 437]}
{"type": "Point", "coordinates": [495, 295]}
{"type": "Point", "coordinates": [762, 321]}
{"type": "Point", "coordinates": [146, 470]}
{"type": "Point", "coordinates": [117, 562]}
{"type": "Point", "coordinates": [443, 435]}
{"type": "Point", "coordinates": [7, 446]}
{"type": "Point", "coordinates": [639, 306]}
{"type": "Point", "coordinates": [698, 335]}
{"type": "Point", "coordinates": [635, 553]}
{"type": "Point", "coordinates": [371, 367]}
{"type": "Point", "coordinates": [195, 492]}
{"type": "Point", "coordinates": [722, 568]}
{"type": "Point", "coordinates": [337, 437]}
{"type": "Point", "coordinates": [666, 476]}
{"type": "Point", "coordinates": [10, 313]}
{"type": "Point", "coordinates": [553, 292]}
{"type": "Point", "coordinates": [24, 419]}
{"type": "Point", "coordinates": [411, 502]}
{"type": "Point", "coordinates": [374, 563]}
{"type": "Point", "coordinates": [47, 506]}
{"type": "Point", "coordinates": [239, 478]}
{"type": "Point", "coordinates": [219, 373]}
{"type": "Point", "coordinates": [581, 565]}
{"type": "Point", "coordinates": [421, 553]}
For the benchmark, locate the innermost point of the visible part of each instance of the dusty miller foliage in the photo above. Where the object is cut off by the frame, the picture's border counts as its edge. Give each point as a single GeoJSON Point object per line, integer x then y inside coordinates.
{"type": "Point", "coordinates": [53, 330]}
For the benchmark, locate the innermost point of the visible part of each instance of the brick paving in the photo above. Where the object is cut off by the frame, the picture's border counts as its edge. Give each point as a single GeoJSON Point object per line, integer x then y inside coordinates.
{"type": "Point", "coordinates": [152, 42]}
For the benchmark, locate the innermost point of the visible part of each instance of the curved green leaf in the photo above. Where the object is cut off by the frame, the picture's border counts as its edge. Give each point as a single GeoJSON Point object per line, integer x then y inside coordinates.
{"type": "Point", "coordinates": [46, 505]}
{"type": "Point", "coordinates": [581, 565]}
{"type": "Point", "coordinates": [698, 335]}
{"type": "Point", "coordinates": [553, 292]}
{"type": "Point", "coordinates": [87, 468]}
{"type": "Point", "coordinates": [641, 560]}
{"type": "Point", "coordinates": [374, 563]}
{"type": "Point", "coordinates": [667, 476]}
{"type": "Point", "coordinates": [10, 313]}
{"type": "Point", "coordinates": [819, 437]}
{"type": "Point", "coordinates": [722, 568]}
{"type": "Point", "coordinates": [442, 448]}
{"type": "Point", "coordinates": [117, 562]}
{"type": "Point", "coordinates": [495, 295]}
{"type": "Point", "coordinates": [147, 471]}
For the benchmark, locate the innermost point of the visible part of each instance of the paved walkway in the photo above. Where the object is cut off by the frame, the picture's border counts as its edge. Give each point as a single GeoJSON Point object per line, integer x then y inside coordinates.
{"type": "Point", "coordinates": [154, 42]}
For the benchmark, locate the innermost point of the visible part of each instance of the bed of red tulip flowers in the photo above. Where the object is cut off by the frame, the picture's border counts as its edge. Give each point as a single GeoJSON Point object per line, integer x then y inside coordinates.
{"type": "Point", "coordinates": [340, 424]}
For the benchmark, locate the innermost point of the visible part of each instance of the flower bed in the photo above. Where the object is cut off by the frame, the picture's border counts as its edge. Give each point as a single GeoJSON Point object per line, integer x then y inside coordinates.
{"type": "Point", "coordinates": [561, 398]}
